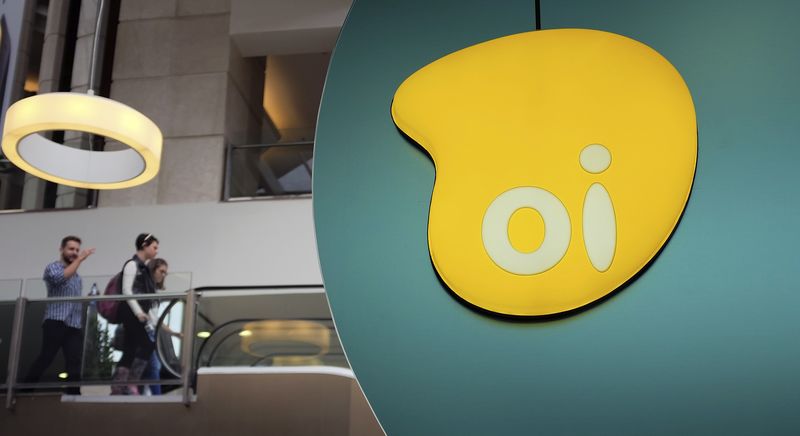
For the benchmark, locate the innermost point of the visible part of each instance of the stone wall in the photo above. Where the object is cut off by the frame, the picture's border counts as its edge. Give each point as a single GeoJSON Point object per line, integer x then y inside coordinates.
{"type": "Point", "coordinates": [175, 63]}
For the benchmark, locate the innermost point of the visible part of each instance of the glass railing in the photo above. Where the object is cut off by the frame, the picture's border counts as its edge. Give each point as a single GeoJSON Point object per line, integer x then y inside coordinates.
{"type": "Point", "coordinates": [10, 289]}
{"type": "Point", "coordinates": [101, 342]}
{"type": "Point", "coordinates": [244, 327]}
{"type": "Point", "coordinates": [283, 342]}
{"type": "Point", "coordinates": [267, 327]}
{"type": "Point", "coordinates": [9, 292]}
{"type": "Point", "coordinates": [101, 346]}
{"type": "Point", "coordinates": [100, 350]}
{"type": "Point", "coordinates": [268, 170]}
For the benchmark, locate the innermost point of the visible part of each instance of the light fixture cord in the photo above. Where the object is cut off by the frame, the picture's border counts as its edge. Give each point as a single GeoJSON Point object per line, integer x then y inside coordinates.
{"type": "Point", "coordinates": [95, 44]}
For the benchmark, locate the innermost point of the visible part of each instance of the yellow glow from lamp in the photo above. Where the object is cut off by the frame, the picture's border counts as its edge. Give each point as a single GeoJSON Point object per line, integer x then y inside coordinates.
{"type": "Point", "coordinates": [63, 375]}
{"type": "Point", "coordinates": [245, 333]}
{"type": "Point", "coordinates": [49, 160]}
{"type": "Point", "coordinates": [31, 84]}
{"type": "Point", "coordinates": [261, 334]}
{"type": "Point", "coordinates": [203, 335]}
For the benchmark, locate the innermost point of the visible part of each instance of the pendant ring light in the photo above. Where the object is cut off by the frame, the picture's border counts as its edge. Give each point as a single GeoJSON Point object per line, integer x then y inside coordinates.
{"type": "Point", "coordinates": [23, 145]}
{"type": "Point", "coordinates": [52, 161]}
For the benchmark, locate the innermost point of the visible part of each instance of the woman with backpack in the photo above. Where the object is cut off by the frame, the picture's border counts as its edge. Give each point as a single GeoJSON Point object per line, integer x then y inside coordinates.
{"type": "Point", "coordinates": [137, 316]}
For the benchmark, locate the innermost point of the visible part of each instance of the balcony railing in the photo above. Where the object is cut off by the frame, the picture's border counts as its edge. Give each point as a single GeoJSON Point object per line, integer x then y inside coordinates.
{"type": "Point", "coordinates": [22, 308]}
{"type": "Point", "coordinates": [271, 170]}
{"type": "Point", "coordinates": [252, 326]}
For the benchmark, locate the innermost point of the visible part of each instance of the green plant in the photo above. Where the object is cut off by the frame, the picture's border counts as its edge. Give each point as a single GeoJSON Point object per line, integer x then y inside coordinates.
{"type": "Point", "coordinates": [98, 361]}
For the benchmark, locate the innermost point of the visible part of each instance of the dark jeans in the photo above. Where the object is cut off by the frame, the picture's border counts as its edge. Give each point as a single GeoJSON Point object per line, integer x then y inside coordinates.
{"type": "Point", "coordinates": [137, 342]}
{"type": "Point", "coordinates": [55, 335]}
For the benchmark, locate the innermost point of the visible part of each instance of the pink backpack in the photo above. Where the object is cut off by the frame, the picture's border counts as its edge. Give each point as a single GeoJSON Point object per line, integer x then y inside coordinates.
{"type": "Point", "coordinates": [108, 309]}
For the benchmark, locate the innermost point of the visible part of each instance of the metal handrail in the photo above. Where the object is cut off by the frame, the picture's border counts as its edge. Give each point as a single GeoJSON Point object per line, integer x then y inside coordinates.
{"type": "Point", "coordinates": [16, 341]}
{"type": "Point", "coordinates": [274, 355]}
{"type": "Point", "coordinates": [158, 296]}
{"type": "Point", "coordinates": [53, 385]}
{"type": "Point", "coordinates": [271, 144]}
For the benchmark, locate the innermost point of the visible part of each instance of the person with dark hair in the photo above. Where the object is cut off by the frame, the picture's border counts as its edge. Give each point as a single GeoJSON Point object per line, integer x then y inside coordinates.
{"type": "Point", "coordinates": [158, 269]}
{"type": "Point", "coordinates": [62, 324]}
{"type": "Point", "coordinates": [137, 316]}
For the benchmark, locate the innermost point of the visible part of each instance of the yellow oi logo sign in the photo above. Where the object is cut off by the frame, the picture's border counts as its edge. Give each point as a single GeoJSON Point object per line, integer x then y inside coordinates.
{"type": "Point", "coordinates": [564, 159]}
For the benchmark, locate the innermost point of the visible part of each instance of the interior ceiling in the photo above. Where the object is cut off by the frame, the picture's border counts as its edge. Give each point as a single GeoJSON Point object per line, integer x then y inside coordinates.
{"type": "Point", "coordinates": [267, 27]}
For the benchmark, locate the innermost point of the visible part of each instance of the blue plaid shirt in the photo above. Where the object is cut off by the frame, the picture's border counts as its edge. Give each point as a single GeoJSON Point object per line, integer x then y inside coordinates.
{"type": "Point", "coordinates": [58, 286]}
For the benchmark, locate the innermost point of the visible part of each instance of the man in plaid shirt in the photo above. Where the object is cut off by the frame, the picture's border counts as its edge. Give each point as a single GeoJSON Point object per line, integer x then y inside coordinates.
{"type": "Point", "coordinates": [62, 324]}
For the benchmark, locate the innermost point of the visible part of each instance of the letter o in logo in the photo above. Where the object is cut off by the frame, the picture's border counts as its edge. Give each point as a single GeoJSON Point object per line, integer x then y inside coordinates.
{"type": "Point", "coordinates": [556, 236]}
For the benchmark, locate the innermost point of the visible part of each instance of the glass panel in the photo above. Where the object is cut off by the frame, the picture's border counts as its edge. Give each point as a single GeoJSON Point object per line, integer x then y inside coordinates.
{"type": "Point", "coordinates": [6, 324]}
{"type": "Point", "coordinates": [32, 335]}
{"type": "Point", "coordinates": [270, 170]}
{"type": "Point", "coordinates": [35, 288]}
{"type": "Point", "coordinates": [286, 342]}
{"type": "Point", "coordinates": [10, 289]}
{"type": "Point", "coordinates": [101, 342]}
{"type": "Point", "coordinates": [264, 327]}
{"type": "Point", "coordinates": [99, 353]}
{"type": "Point", "coordinates": [282, 327]}
{"type": "Point", "coordinates": [178, 282]}
{"type": "Point", "coordinates": [170, 340]}
{"type": "Point", "coordinates": [9, 292]}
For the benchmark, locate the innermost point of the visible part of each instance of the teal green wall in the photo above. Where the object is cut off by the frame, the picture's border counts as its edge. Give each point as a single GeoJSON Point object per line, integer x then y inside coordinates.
{"type": "Point", "coordinates": [705, 341]}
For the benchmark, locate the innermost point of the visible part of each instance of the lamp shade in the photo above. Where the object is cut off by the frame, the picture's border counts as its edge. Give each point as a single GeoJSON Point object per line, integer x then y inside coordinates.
{"type": "Point", "coordinates": [24, 145]}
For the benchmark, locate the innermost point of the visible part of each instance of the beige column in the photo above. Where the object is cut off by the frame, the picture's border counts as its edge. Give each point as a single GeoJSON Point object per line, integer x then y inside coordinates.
{"type": "Point", "coordinates": [67, 196]}
{"type": "Point", "coordinates": [49, 73]}
{"type": "Point", "coordinates": [174, 62]}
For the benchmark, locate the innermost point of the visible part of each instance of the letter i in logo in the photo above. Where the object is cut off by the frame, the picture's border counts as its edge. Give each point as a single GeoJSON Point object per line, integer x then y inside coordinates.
{"type": "Point", "coordinates": [599, 222]}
